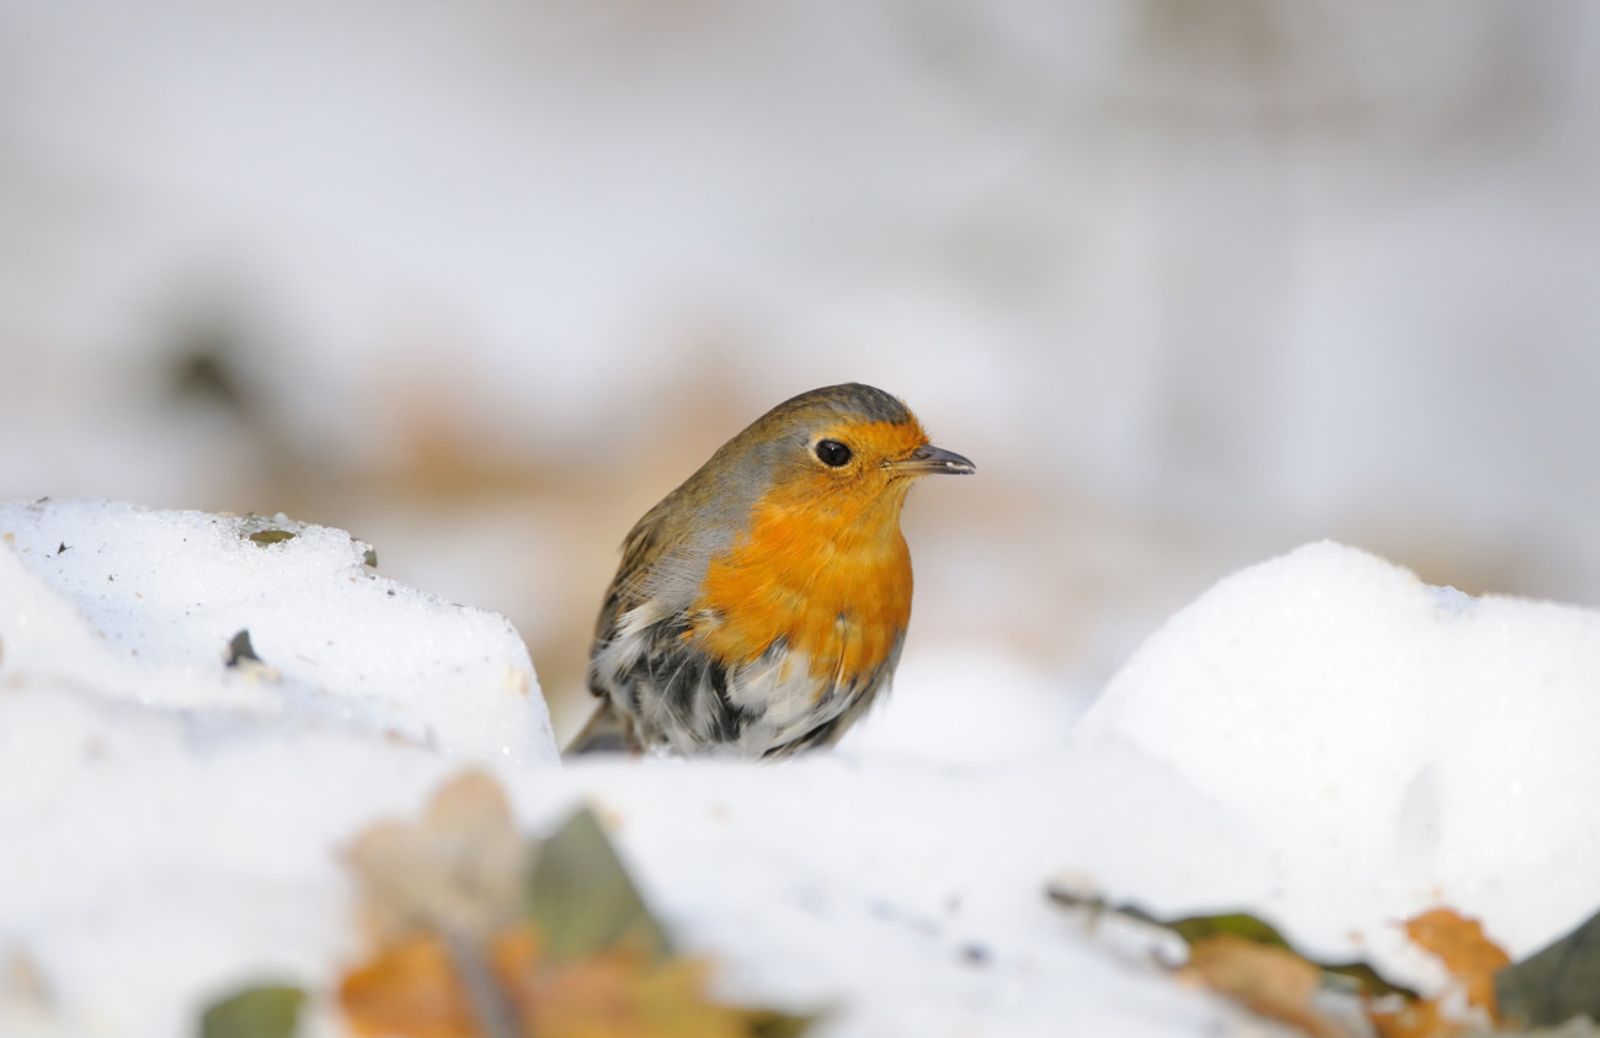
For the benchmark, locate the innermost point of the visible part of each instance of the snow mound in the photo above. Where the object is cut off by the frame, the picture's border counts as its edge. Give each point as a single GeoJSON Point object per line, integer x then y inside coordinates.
{"type": "Point", "coordinates": [142, 606]}
{"type": "Point", "coordinates": [1390, 744]}
{"type": "Point", "coordinates": [966, 706]}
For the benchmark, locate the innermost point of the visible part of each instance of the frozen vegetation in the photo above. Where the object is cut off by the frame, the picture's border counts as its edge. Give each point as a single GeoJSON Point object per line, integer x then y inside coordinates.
{"type": "Point", "coordinates": [1321, 738]}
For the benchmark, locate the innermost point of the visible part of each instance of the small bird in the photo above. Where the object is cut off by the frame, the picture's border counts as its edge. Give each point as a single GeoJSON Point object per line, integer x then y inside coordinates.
{"type": "Point", "coordinates": [760, 607]}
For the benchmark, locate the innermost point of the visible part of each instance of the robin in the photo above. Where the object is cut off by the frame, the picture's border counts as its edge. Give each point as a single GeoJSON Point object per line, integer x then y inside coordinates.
{"type": "Point", "coordinates": [760, 607]}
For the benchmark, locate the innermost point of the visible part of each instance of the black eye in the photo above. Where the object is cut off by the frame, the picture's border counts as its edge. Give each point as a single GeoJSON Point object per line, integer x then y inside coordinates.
{"type": "Point", "coordinates": [833, 453]}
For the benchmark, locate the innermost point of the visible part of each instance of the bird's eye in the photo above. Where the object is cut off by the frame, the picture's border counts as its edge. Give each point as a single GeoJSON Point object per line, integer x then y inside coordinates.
{"type": "Point", "coordinates": [833, 453]}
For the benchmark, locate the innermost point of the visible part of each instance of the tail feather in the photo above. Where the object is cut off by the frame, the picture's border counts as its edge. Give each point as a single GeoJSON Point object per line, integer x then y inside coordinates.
{"type": "Point", "coordinates": [607, 732]}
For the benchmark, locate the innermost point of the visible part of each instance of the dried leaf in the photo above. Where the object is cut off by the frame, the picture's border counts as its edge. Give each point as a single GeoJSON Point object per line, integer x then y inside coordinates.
{"type": "Point", "coordinates": [621, 993]}
{"type": "Point", "coordinates": [240, 651]}
{"type": "Point", "coordinates": [271, 1011]}
{"type": "Point", "coordinates": [459, 870]}
{"type": "Point", "coordinates": [1468, 954]}
{"type": "Point", "coordinates": [1272, 981]}
{"type": "Point", "coordinates": [1423, 1019]}
{"type": "Point", "coordinates": [581, 899]}
{"type": "Point", "coordinates": [1362, 977]}
{"type": "Point", "coordinates": [1196, 928]}
{"type": "Point", "coordinates": [471, 940]}
{"type": "Point", "coordinates": [411, 989]}
{"type": "Point", "coordinates": [266, 537]}
{"type": "Point", "coordinates": [1556, 983]}
{"type": "Point", "coordinates": [765, 1023]}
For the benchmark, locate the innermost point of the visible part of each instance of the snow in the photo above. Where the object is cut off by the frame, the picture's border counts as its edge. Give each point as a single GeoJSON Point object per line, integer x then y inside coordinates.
{"type": "Point", "coordinates": [159, 595]}
{"type": "Point", "coordinates": [169, 820]}
{"type": "Point", "coordinates": [1025, 711]}
{"type": "Point", "coordinates": [1427, 742]}
{"type": "Point", "coordinates": [1322, 738]}
{"type": "Point", "coordinates": [151, 864]}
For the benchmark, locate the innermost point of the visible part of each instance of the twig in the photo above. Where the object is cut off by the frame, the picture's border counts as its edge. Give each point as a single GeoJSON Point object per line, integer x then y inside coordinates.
{"type": "Point", "coordinates": [496, 1017]}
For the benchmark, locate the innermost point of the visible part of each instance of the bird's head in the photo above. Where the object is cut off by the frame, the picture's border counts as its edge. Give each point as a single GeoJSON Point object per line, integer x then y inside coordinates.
{"type": "Point", "coordinates": [850, 450]}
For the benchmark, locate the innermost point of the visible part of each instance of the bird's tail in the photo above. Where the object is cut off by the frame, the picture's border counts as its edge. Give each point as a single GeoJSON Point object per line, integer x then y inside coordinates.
{"type": "Point", "coordinates": [607, 732]}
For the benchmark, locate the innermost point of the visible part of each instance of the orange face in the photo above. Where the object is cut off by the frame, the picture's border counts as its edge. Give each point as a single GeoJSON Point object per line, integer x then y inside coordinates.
{"type": "Point", "coordinates": [823, 564]}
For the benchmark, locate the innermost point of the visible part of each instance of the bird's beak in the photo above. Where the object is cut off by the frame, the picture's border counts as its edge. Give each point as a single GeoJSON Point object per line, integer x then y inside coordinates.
{"type": "Point", "coordinates": [928, 460]}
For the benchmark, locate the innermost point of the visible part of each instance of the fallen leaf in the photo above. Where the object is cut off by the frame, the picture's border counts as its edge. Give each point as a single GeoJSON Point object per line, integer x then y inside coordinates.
{"type": "Point", "coordinates": [1196, 928]}
{"type": "Point", "coordinates": [1272, 981]}
{"type": "Point", "coordinates": [1424, 1019]}
{"type": "Point", "coordinates": [472, 941]}
{"type": "Point", "coordinates": [1556, 983]}
{"type": "Point", "coordinates": [581, 899]}
{"type": "Point", "coordinates": [414, 990]}
{"type": "Point", "coordinates": [1468, 954]}
{"type": "Point", "coordinates": [269, 1011]}
{"type": "Point", "coordinates": [459, 870]}
{"type": "Point", "coordinates": [621, 993]}
{"type": "Point", "coordinates": [240, 650]}
{"type": "Point", "coordinates": [1360, 976]}
{"type": "Point", "coordinates": [766, 1023]}
{"type": "Point", "coordinates": [411, 989]}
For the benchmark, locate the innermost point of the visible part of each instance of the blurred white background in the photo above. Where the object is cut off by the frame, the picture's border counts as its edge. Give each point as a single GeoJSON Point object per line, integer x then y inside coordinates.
{"type": "Point", "coordinates": [1192, 283]}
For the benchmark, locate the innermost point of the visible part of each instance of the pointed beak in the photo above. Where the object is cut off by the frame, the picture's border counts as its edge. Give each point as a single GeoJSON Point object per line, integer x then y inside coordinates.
{"type": "Point", "coordinates": [929, 460]}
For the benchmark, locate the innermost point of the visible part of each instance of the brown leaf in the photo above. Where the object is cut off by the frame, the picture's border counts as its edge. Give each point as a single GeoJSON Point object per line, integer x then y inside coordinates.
{"type": "Point", "coordinates": [1468, 954]}
{"type": "Point", "coordinates": [460, 953]}
{"type": "Point", "coordinates": [1267, 980]}
{"type": "Point", "coordinates": [459, 870]}
{"type": "Point", "coordinates": [616, 994]}
{"type": "Point", "coordinates": [1422, 1019]}
{"type": "Point", "coordinates": [1194, 928]}
{"type": "Point", "coordinates": [411, 989]}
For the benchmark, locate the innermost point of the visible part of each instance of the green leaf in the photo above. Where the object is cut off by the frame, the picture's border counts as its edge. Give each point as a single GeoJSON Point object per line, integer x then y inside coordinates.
{"type": "Point", "coordinates": [581, 899]}
{"type": "Point", "coordinates": [265, 537]}
{"type": "Point", "coordinates": [1195, 928]}
{"type": "Point", "coordinates": [767, 1023]}
{"type": "Point", "coordinates": [1240, 924]}
{"type": "Point", "coordinates": [1555, 983]}
{"type": "Point", "coordinates": [270, 1011]}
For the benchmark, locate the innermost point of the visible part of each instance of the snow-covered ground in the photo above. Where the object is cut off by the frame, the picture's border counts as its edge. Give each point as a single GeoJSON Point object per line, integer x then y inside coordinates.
{"type": "Point", "coordinates": [1321, 738]}
{"type": "Point", "coordinates": [166, 820]}
{"type": "Point", "coordinates": [1205, 281]}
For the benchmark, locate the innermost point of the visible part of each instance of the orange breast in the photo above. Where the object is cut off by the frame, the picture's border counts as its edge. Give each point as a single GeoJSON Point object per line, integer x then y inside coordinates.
{"type": "Point", "coordinates": [831, 577]}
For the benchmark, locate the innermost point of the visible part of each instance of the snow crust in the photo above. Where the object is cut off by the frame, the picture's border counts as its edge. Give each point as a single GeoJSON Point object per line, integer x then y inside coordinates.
{"type": "Point", "coordinates": [1320, 738]}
